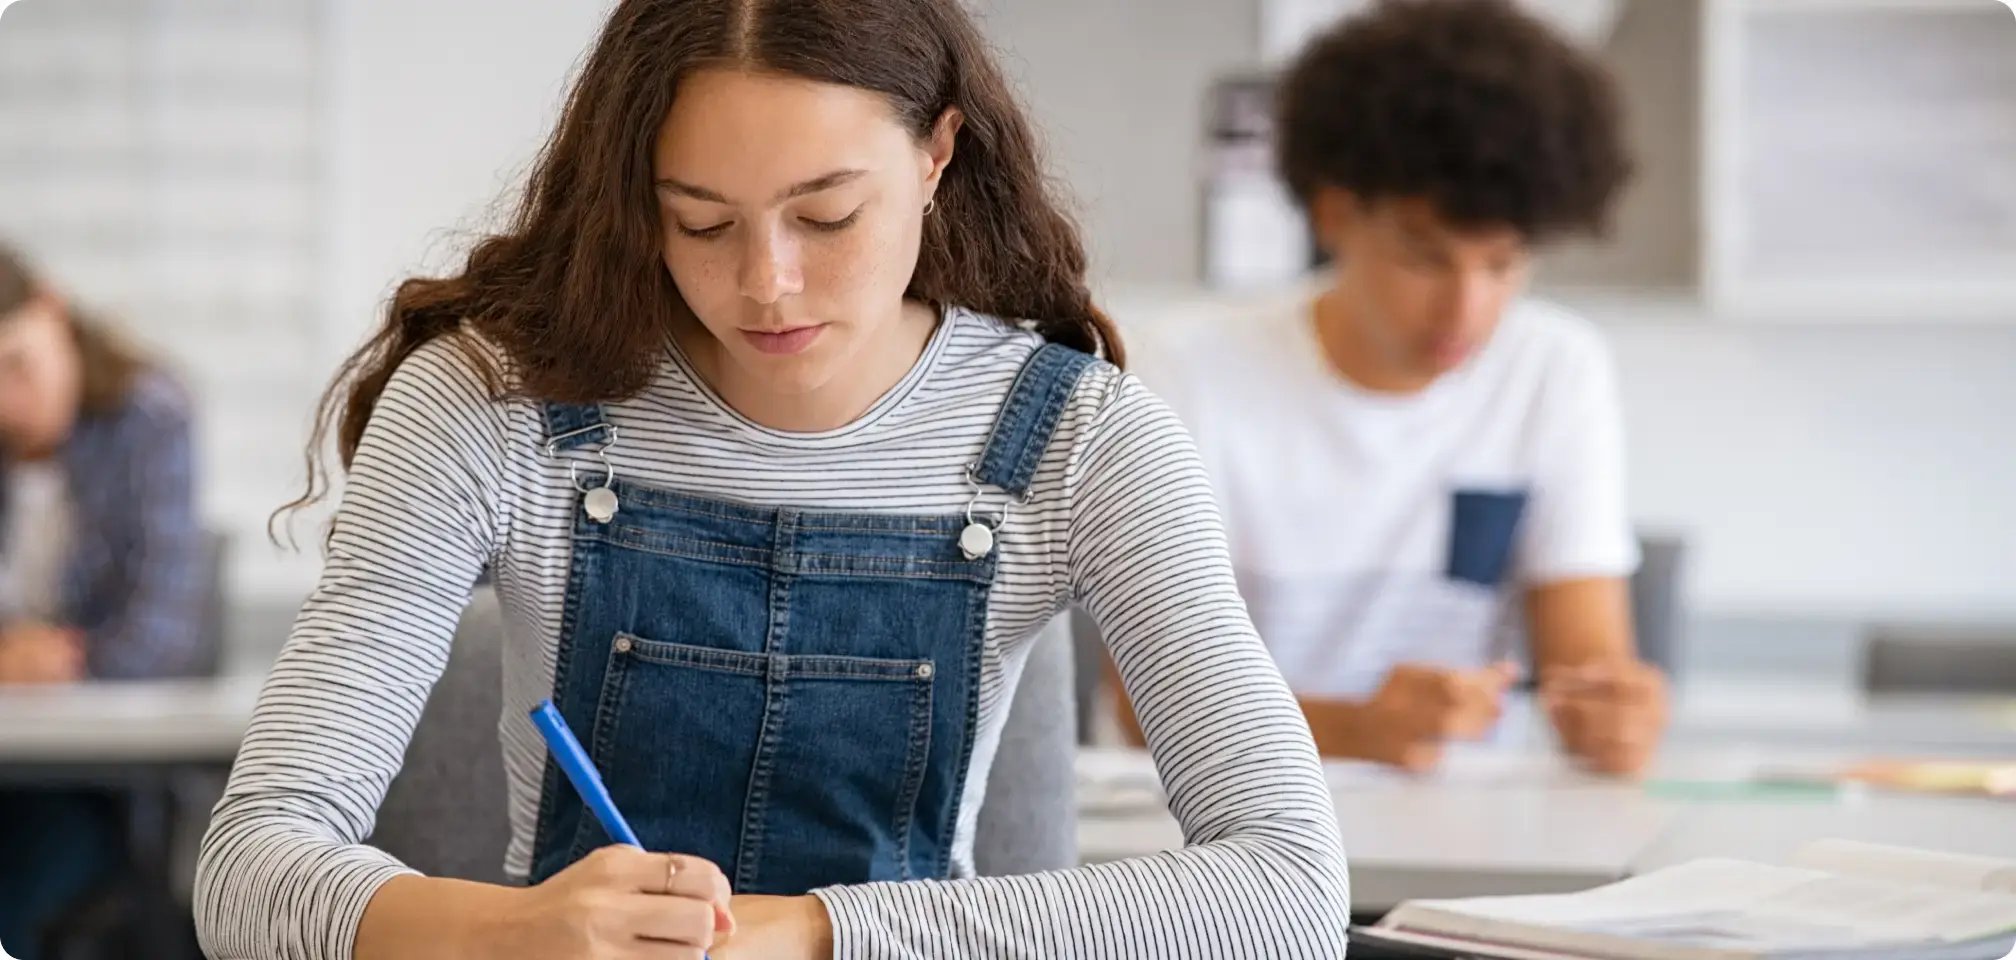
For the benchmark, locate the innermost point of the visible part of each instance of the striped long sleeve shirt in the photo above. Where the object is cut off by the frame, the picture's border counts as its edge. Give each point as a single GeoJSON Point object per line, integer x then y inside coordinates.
{"type": "Point", "coordinates": [450, 483]}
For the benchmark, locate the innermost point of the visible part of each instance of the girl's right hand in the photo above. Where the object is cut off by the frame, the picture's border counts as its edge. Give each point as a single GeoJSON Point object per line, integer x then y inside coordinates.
{"type": "Point", "coordinates": [618, 903]}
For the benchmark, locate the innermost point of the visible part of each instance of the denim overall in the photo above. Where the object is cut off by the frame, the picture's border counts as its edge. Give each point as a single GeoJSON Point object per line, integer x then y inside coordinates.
{"type": "Point", "coordinates": [791, 694]}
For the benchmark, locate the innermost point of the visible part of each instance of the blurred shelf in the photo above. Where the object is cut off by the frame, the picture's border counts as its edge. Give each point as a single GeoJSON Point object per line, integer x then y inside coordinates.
{"type": "Point", "coordinates": [1833, 192]}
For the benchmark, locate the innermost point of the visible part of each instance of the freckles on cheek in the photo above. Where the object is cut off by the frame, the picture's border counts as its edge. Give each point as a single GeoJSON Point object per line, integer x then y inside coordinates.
{"type": "Point", "coordinates": [851, 267]}
{"type": "Point", "coordinates": [699, 277]}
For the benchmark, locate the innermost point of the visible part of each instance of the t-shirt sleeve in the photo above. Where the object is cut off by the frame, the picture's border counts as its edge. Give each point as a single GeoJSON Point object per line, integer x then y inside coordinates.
{"type": "Point", "coordinates": [1578, 524]}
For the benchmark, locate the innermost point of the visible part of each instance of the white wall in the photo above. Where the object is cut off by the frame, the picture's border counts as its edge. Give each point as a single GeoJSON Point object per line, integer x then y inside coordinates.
{"type": "Point", "coordinates": [440, 107]}
{"type": "Point", "coordinates": [1844, 471]}
{"type": "Point", "coordinates": [421, 128]}
{"type": "Point", "coordinates": [1119, 88]}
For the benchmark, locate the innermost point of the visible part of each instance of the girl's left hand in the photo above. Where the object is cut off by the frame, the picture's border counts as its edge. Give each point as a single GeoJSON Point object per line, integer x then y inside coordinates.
{"type": "Point", "coordinates": [777, 928]}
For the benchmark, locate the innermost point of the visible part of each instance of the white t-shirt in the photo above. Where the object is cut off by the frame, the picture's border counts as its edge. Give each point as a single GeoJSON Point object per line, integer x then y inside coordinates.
{"type": "Point", "coordinates": [33, 546]}
{"type": "Point", "coordinates": [1372, 529]}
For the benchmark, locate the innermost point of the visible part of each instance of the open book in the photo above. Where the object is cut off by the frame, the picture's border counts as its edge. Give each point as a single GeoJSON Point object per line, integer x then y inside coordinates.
{"type": "Point", "coordinates": [1838, 901]}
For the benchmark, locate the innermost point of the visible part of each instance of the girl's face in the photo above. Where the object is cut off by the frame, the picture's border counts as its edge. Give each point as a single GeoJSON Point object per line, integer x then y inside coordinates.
{"type": "Point", "coordinates": [41, 379]}
{"type": "Point", "coordinates": [791, 214]}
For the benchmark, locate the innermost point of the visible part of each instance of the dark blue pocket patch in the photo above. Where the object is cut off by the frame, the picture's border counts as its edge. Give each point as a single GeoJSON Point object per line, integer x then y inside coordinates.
{"type": "Point", "coordinates": [1483, 526]}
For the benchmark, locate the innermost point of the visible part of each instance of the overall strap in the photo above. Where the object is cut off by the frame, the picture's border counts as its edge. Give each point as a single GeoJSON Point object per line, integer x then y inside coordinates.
{"type": "Point", "coordinates": [1029, 417]}
{"type": "Point", "coordinates": [570, 426]}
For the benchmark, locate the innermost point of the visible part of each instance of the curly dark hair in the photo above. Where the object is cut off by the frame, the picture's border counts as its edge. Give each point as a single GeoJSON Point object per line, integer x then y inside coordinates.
{"type": "Point", "coordinates": [1471, 104]}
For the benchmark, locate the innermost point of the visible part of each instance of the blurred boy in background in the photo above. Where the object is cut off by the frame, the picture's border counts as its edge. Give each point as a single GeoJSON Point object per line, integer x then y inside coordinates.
{"type": "Point", "coordinates": [1416, 454]}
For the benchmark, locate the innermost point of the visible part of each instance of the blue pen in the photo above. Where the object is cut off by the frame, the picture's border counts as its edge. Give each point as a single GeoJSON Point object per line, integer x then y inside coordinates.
{"type": "Point", "coordinates": [580, 771]}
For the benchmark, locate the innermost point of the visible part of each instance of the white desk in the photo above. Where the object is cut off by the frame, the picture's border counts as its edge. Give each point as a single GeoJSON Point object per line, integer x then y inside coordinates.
{"type": "Point", "coordinates": [1512, 821]}
{"type": "Point", "coordinates": [162, 721]}
{"type": "Point", "coordinates": [1488, 822]}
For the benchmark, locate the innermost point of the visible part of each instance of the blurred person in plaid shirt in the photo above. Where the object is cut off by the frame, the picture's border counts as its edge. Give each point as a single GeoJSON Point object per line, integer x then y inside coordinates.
{"type": "Point", "coordinates": [100, 556]}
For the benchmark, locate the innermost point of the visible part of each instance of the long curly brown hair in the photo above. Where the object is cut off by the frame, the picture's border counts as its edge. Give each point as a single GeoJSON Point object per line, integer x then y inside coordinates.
{"type": "Point", "coordinates": [574, 291]}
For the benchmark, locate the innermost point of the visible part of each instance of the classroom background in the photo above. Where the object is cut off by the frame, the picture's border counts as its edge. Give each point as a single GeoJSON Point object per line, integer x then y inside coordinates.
{"type": "Point", "coordinates": [1810, 293]}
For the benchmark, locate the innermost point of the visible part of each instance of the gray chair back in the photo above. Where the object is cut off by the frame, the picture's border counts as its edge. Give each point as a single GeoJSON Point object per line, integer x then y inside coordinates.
{"type": "Point", "coordinates": [1945, 659]}
{"type": "Point", "coordinates": [1029, 822]}
{"type": "Point", "coordinates": [213, 562]}
{"type": "Point", "coordinates": [1658, 610]}
{"type": "Point", "coordinates": [444, 814]}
